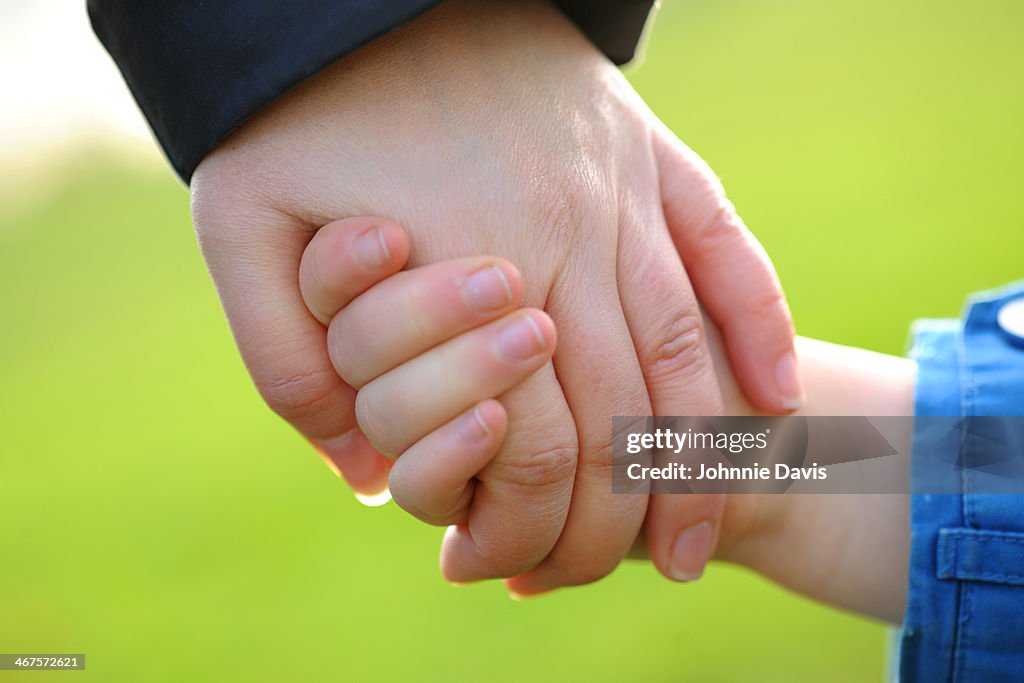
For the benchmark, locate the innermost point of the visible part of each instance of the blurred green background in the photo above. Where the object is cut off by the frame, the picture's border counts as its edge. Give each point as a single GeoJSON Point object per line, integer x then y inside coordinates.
{"type": "Point", "coordinates": [158, 518]}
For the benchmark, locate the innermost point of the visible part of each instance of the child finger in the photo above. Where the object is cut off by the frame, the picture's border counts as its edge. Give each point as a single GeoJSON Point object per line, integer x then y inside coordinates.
{"type": "Point", "coordinates": [414, 311]}
{"type": "Point", "coordinates": [398, 408]}
{"type": "Point", "coordinates": [347, 257]}
{"type": "Point", "coordinates": [433, 480]}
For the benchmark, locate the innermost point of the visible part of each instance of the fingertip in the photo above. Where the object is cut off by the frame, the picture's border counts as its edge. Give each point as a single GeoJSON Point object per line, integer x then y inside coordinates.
{"type": "Point", "coordinates": [790, 387]}
{"type": "Point", "coordinates": [476, 432]}
{"type": "Point", "coordinates": [345, 258]}
{"type": "Point", "coordinates": [762, 351]}
{"type": "Point", "coordinates": [454, 546]}
{"type": "Point", "coordinates": [771, 383]}
{"type": "Point", "coordinates": [462, 559]}
{"type": "Point", "coordinates": [513, 279]}
{"type": "Point", "coordinates": [682, 533]}
{"type": "Point", "coordinates": [434, 480]}
{"type": "Point", "coordinates": [493, 417]}
{"type": "Point", "coordinates": [490, 286]}
{"type": "Point", "coordinates": [545, 328]}
{"type": "Point", "coordinates": [351, 457]}
{"type": "Point", "coordinates": [373, 247]}
{"type": "Point", "coordinates": [690, 552]}
{"type": "Point", "coordinates": [520, 592]}
{"type": "Point", "coordinates": [519, 588]}
{"type": "Point", "coordinates": [395, 241]}
{"type": "Point", "coordinates": [376, 244]}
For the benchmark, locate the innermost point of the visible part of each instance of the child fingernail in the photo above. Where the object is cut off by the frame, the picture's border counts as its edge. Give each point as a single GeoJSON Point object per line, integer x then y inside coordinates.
{"type": "Point", "coordinates": [370, 249]}
{"type": "Point", "coordinates": [487, 290]}
{"type": "Point", "coordinates": [787, 379]}
{"type": "Point", "coordinates": [521, 339]}
{"type": "Point", "coordinates": [691, 552]}
{"type": "Point", "coordinates": [471, 428]}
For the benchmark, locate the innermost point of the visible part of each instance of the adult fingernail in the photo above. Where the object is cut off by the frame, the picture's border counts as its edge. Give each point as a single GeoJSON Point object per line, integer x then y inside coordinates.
{"type": "Point", "coordinates": [487, 290]}
{"type": "Point", "coordinates": [521, 339]}
{"type": "Point", "coordinates": [370, 248]}
{"type": "Point", "coordinates": [787, 379]}
{"type": "Point", "coordinates": [521, 597]}
{"type": "Point", "coordinates": [470, 428]}
{"type": "Point", "coordinates": [351, 457]}
{"type": "Point", "coordinates": [691, 552]}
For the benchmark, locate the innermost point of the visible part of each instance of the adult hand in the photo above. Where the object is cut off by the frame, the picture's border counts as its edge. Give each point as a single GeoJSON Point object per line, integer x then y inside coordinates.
{"type": "Point", "coordinates": [496, 128]}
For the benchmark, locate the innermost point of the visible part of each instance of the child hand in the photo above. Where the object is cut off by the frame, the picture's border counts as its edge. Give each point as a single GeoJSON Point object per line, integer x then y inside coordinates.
{"type": "Point", "coordinates": [428, 351]}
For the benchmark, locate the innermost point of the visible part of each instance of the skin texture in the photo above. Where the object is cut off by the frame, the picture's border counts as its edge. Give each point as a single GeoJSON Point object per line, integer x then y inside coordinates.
{"type": "Point", "coordinates": [545, 157]}
{"type": "Point", "coordinates": [847, 550]}
{"type": "Point", "coordinates": [851, 551]}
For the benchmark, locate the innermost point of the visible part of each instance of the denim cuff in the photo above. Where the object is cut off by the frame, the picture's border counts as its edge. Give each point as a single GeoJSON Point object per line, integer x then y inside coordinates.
{"type": "Point", "coordinates": [964, 618]}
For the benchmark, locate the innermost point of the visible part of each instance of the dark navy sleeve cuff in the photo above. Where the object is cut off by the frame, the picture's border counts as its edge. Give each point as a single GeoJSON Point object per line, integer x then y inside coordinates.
{"type": "Point", "coordinates": [198, 70]}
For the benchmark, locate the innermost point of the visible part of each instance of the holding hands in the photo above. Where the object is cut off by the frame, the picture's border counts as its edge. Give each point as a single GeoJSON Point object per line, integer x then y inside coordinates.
{"type": "Point", "coordinates": [538, 152]}
{"type": "Point", "coordinates": [429, 350]}
{"type": "Point", "coordinates": [414, 355]}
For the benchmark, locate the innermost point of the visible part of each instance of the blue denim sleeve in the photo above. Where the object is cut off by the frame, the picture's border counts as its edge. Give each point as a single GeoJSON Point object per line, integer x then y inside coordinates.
{"type": "Point", "coordinates": [964, 619]}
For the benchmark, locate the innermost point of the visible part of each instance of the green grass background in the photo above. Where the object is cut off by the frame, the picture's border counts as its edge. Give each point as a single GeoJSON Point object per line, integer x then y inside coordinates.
{"type": "Point", "coordinates": [154, 515]}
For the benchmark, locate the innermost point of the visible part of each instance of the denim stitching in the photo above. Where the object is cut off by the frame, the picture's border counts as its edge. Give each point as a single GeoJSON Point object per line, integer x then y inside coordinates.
{"type": "Point", "coordinates": [979, 538]}
{"type": "Point", "coordinates": [951, 561]}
